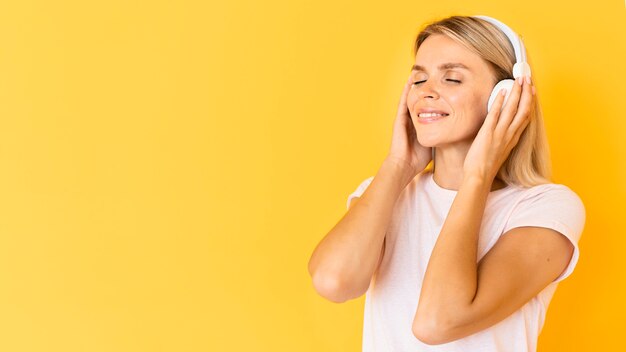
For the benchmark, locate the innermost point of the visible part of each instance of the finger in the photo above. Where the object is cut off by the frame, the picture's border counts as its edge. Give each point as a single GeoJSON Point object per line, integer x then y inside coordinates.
{"type": "Point", "coordinates": [521, 125]}
{"type": "Point", "coordinates": [518, 134]}
{"type": "Point", "coordinates": [524, 108]}
{"type": "Point", "coordinates": [405, 92]}
{"type": "Point", "coordinates": [400, 122]}
{"type": "Point", "coordinates": [492, 117]}
{"type": "Point", "coordinates": [510, 108]}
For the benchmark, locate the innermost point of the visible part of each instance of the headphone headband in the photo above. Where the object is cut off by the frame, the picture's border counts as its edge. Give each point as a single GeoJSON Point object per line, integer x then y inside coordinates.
{"type": "Point", "coordinates": [521, 67]}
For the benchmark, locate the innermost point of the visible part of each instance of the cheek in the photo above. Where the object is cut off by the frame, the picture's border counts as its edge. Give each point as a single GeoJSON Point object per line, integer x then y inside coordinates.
{"type": "Point", "coordinates": [471, 104]}
{"type": "Point", "coordinates": [480, 101]}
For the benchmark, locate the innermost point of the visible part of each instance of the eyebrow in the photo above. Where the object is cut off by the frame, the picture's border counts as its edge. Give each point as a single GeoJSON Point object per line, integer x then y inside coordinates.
{"type": "Point", "coordinates": [445, 66]}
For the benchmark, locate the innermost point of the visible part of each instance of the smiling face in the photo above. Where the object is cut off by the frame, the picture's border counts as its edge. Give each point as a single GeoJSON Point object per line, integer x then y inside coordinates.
{"type": "Point", "coordinates": [449, 94]}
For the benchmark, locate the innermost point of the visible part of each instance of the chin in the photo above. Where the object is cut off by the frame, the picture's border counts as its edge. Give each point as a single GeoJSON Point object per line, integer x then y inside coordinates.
{"type": "Point", "coordinates": [426, 141]}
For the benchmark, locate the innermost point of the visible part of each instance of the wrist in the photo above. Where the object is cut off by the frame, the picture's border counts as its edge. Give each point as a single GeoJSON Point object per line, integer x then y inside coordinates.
{"type": "Point", "coordinates": [477, 182]}
{"type": "Point", "coordinates": [399, 169]}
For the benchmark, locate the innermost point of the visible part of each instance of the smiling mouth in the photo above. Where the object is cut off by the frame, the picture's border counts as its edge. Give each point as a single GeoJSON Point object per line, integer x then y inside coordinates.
{"type": "Point", "coordinates": [425, 115]}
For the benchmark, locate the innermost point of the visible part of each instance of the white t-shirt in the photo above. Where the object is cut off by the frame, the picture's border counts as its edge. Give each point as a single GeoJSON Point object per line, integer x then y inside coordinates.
{"type": "Point", "coordinates": [418, 216]}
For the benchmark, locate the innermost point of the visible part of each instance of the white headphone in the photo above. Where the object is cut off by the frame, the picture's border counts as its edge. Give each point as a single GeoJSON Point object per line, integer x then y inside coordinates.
{"type": "Point", "coordinates": [521, 67]}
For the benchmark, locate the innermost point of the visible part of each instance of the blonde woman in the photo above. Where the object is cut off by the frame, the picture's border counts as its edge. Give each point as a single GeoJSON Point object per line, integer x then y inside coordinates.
{"type": "Point", "coordinates": [460, 239]}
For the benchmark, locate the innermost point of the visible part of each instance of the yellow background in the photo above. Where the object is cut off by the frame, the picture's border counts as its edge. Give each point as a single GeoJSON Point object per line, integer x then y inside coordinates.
{"type": "Point", "coordinates": [167, 167]}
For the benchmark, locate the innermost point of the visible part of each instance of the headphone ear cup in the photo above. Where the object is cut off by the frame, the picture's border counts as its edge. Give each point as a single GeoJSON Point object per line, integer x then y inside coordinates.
{"type": "Point", "coordinates": [506, 84]}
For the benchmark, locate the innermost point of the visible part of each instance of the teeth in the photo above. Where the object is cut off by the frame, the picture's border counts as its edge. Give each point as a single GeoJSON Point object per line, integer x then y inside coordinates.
{"type": "Point", "coordinates": [430, 114]}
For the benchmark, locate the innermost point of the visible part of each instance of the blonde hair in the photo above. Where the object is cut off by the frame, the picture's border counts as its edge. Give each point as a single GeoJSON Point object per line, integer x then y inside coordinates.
{"type": "Point", "coordinates": [528, 164]}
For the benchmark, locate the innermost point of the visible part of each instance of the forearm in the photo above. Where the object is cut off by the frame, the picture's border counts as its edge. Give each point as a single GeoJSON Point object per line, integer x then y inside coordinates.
{"type": "Point", "coordinates": [450, 282]}
{"type": "Point", "coordinates": [349, 253]}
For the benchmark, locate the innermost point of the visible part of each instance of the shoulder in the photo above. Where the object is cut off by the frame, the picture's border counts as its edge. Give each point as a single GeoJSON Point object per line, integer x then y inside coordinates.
{"type": "Point", "coordinates": [552, 194]}
{"type": "Point", "coordinates": [550, 205]}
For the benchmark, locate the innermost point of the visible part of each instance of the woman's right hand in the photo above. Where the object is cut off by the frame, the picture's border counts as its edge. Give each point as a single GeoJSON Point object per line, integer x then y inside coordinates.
{"type": "Point", "coordinates": [405, 149]}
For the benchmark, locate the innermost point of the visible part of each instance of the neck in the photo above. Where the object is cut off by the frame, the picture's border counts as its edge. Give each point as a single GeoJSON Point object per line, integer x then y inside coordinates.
{"type": "Point", "coordinates": [448, 168]}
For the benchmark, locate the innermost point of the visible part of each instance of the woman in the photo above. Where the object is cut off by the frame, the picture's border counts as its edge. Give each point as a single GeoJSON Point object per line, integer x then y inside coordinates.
{"type": "Point", "coordinates": [464, 255]}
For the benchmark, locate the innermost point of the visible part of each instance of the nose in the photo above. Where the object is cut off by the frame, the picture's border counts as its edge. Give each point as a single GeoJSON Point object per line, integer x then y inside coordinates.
{"type": "Point", "coordinates": [427, 89]}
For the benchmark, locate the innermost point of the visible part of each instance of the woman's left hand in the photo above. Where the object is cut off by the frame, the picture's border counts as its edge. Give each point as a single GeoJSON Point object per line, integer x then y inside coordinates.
{"type": "Point", "coordinates": [500, 132]}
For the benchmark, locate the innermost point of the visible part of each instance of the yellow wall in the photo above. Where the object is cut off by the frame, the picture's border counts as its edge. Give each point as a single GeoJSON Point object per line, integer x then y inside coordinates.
{"type": "Point", "coordinates": [167, 167]}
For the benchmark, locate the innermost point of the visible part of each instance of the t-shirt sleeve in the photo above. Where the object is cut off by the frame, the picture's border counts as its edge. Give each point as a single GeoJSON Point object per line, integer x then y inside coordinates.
{"type": "Point", "coordinates": [557, 208]}
{"type": "Point", "coordinates": [359, 190]}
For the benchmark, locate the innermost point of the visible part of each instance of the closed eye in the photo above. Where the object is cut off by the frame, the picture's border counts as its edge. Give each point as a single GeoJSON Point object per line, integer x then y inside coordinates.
{"type": "Point", "coordinates": [450, 80]}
